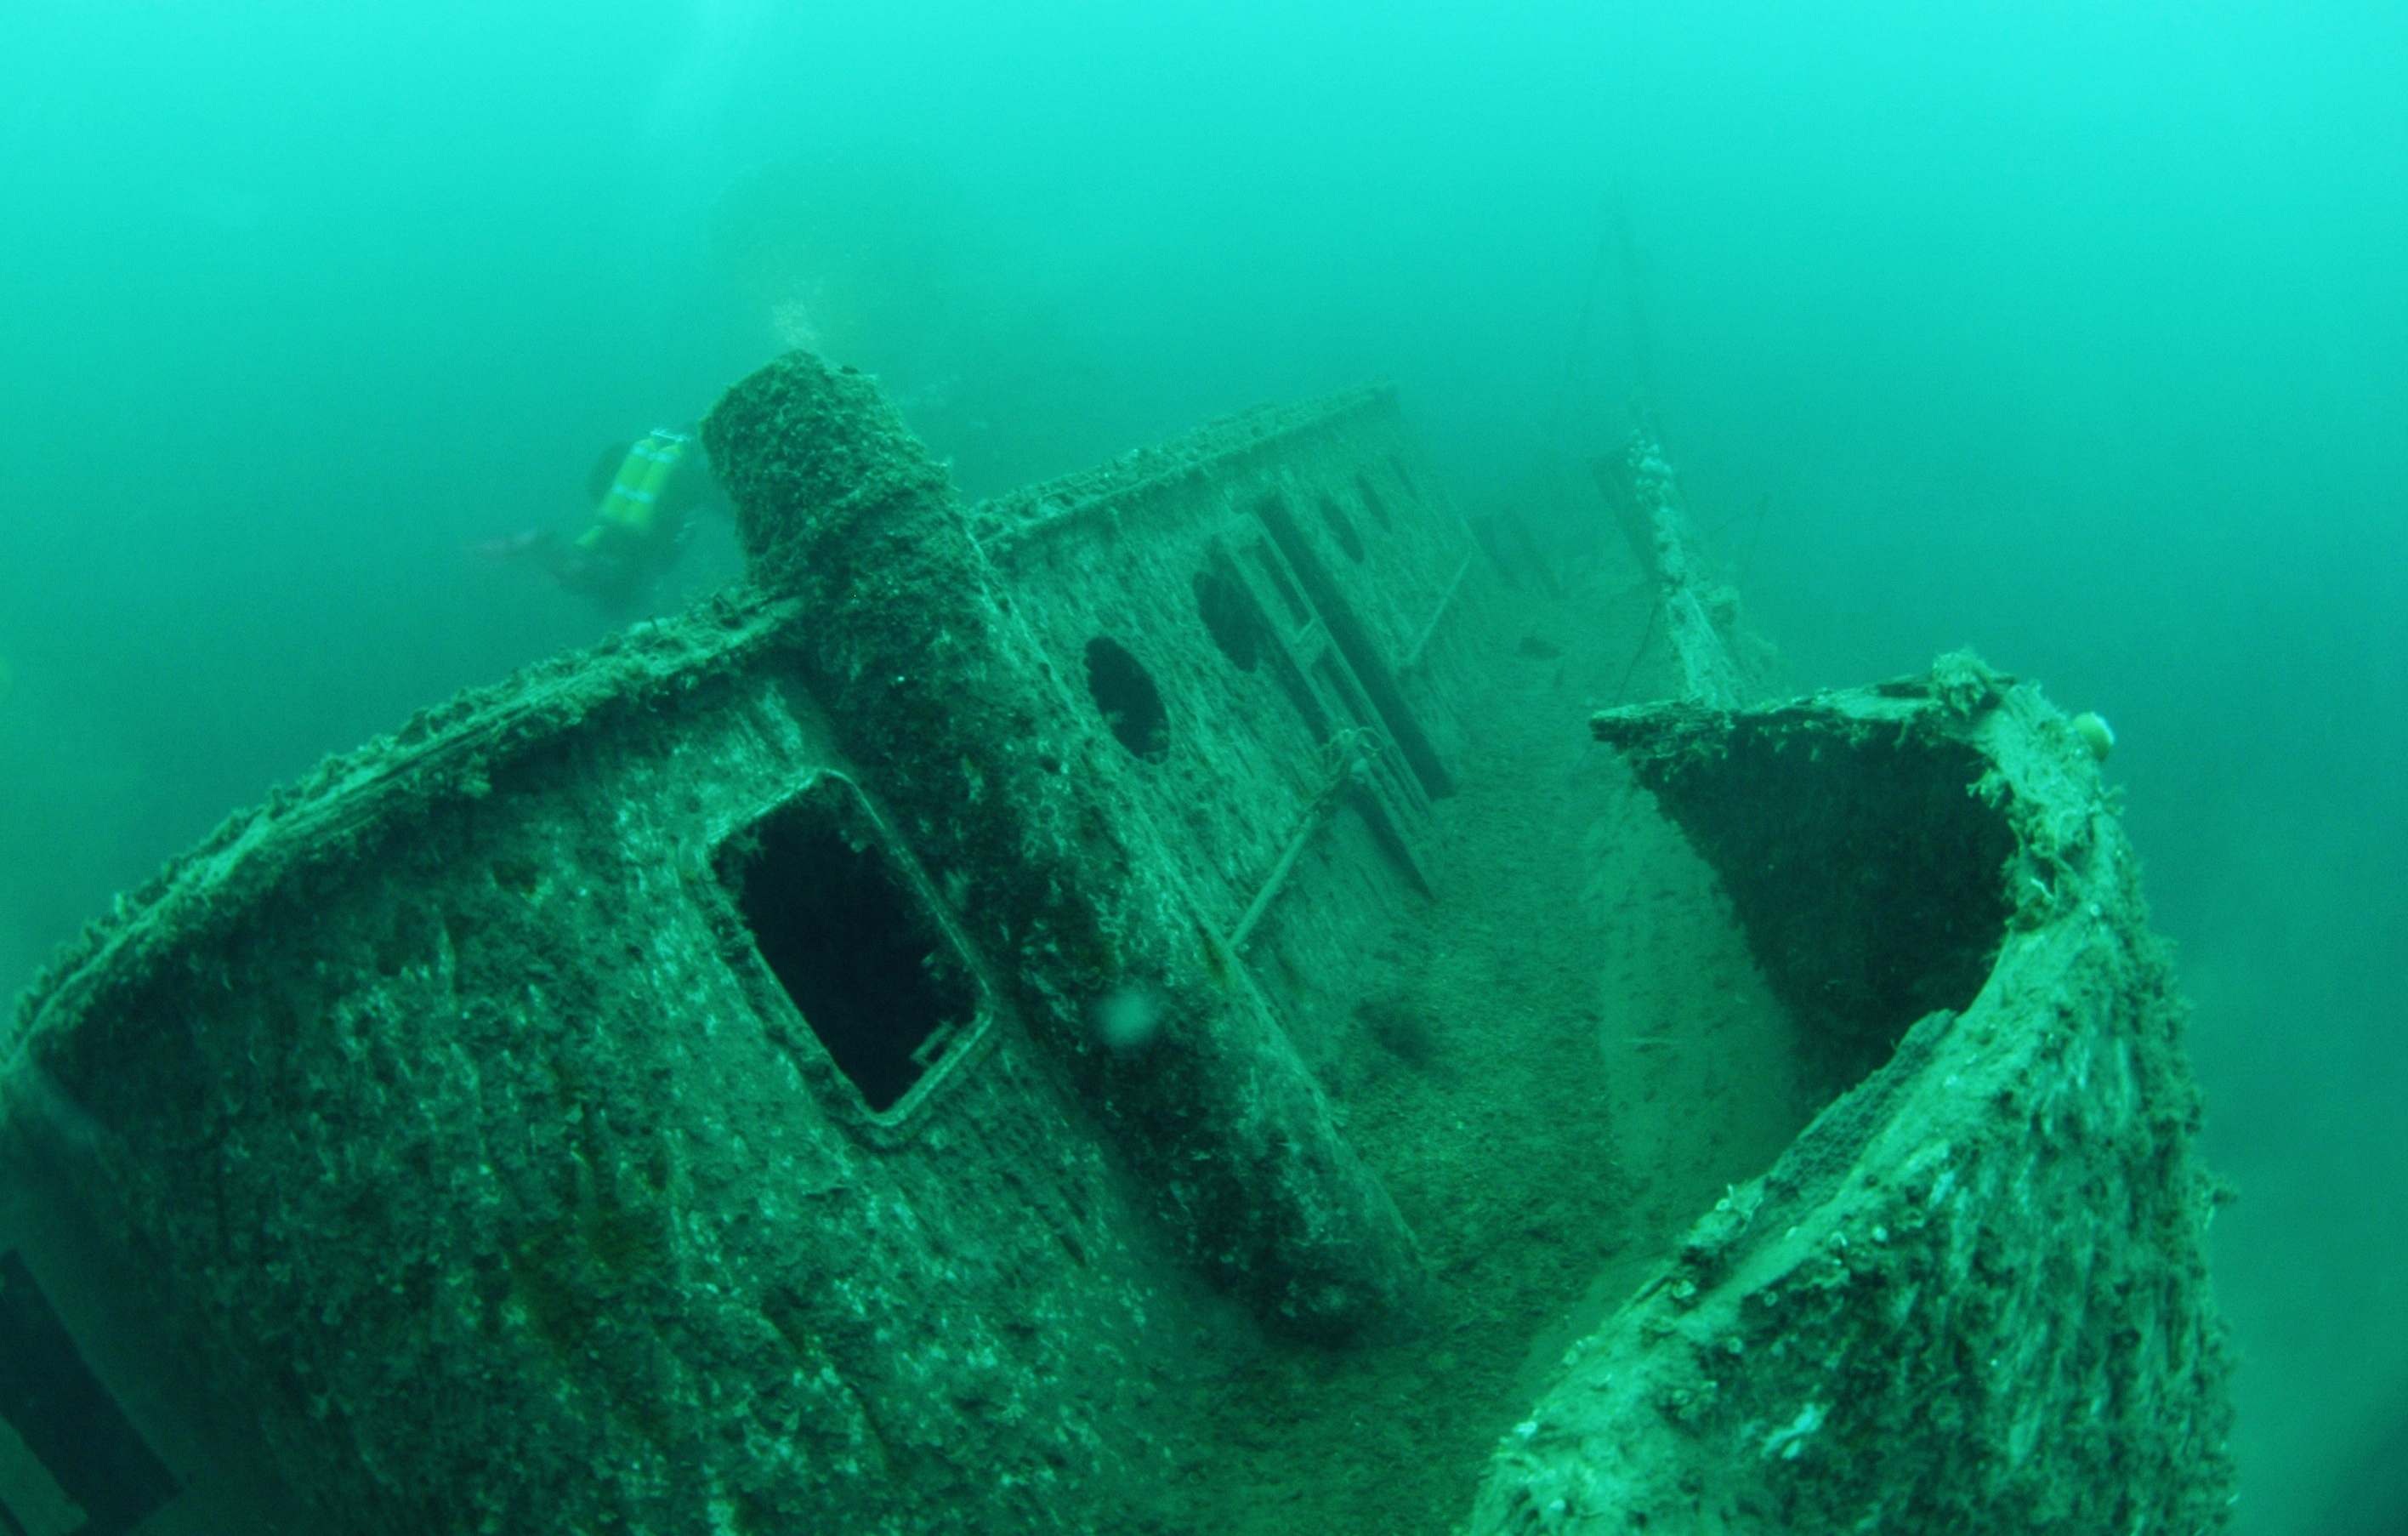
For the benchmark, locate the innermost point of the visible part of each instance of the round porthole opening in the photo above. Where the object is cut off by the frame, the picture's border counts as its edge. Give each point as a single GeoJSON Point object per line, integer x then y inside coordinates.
{"type": "Point", "coordinates": [1131, 705]}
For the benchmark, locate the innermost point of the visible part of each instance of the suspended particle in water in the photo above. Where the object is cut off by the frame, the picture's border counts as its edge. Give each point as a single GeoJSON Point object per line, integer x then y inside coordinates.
{"type": "Point", "coordinates": [1128, 1017]}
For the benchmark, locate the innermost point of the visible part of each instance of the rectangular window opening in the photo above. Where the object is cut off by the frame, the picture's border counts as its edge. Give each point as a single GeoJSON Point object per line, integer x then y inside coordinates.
{"type": "Point", "coordinates": [851, 937]}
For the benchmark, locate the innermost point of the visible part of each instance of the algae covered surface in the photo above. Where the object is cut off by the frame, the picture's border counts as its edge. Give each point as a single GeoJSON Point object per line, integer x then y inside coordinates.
{"type": "Point", "coordinates": [1574, 1054]}
{"type": "Point", "coordinates": [1570, 1111]}
{"type": "Point", "coordinates": [2073, 333]}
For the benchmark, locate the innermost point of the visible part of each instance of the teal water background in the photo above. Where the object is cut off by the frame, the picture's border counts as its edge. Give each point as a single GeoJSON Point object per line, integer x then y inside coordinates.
{"type": "Point", "coordinates": [2074, 331]}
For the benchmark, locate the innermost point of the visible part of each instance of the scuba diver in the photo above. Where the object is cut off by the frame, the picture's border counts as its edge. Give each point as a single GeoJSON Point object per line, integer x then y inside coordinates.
{"type": "Point", "coordinates": [647, 496]}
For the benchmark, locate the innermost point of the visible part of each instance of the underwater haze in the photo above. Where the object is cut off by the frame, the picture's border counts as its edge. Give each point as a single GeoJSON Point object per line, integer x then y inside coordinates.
{"type": "Point", "coordinates": [2073, 331]}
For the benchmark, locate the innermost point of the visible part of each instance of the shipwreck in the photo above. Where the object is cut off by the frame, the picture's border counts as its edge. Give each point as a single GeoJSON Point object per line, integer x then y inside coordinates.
{"type": "Point", "coordinates": [1199, 996]}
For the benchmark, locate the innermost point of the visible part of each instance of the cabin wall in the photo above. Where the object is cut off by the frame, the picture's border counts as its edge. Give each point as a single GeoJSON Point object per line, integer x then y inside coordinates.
{"type": "Point", "coordinates": [481, 1169]}
{"type": "Point", "coordinates": [1299, 598]}
{"type": "Point", "coordinates": [1021, 774]}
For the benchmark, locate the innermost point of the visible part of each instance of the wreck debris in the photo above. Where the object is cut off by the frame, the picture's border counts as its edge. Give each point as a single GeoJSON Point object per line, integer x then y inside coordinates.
{"type": "Point", "coordinates": [1720, 663]}
{"type": "Point", "coordinates": [1972, 1296]}
{"type": "Point", "coordinates": [1045, 1016]}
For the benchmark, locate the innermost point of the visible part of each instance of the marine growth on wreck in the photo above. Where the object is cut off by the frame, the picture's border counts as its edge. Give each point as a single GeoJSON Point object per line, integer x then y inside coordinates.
{"type": "Point", "coordinates": [1212, 995]}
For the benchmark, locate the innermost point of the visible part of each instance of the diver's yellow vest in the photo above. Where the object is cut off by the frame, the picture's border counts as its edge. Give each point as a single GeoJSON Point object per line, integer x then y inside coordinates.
{"type": "Point", "coordinates": [631, 510]}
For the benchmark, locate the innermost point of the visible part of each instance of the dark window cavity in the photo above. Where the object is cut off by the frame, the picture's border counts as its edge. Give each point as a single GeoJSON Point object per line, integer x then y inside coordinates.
{"type": "Point", "coordinates": [1131, 704]}
{"type": "Point", "coordinates": [852, 940]}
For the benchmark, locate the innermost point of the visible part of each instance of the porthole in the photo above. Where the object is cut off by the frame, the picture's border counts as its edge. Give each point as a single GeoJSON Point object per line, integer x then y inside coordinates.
{"type": "Point", "coordinates": [1131, 705]}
